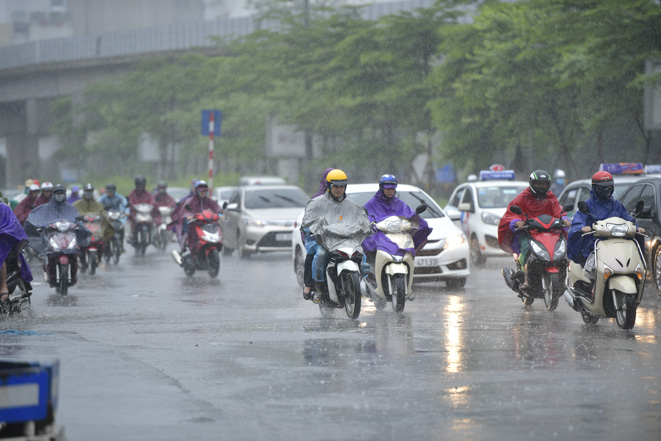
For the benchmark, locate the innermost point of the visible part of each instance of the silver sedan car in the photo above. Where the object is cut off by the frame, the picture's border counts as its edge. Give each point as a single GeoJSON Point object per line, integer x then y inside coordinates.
{"type": "Point", "coordinates": [261, 218]}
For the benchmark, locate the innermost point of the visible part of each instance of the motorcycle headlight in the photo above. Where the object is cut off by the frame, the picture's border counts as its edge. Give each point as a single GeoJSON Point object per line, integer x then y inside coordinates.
{"type": "Point", "coordinates": [618, 230]}
{"type": "Point", "coordinates": [539, 251]}
{"type": "Point", "coordinates": [454, 241]}
{"type": "Point", "coordinates": [490, 218]}
{"type": "Point", "coordinates": [560, 250]}
{"type": "Point", "coordinates": [53, 245]}
{"type": "Point", "coordinates": [73, 244]}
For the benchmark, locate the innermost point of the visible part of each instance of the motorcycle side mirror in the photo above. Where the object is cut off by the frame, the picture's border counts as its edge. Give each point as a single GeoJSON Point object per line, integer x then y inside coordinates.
{"type": "Point", "coordinates": [583, 207]}
{"type": "Point", "coordinates": [420, 208]}
{"type": "Point", "coordinates": [80, 218]}
{"type": "Point", "coordinates": [516, 210]}
{"type": "Point", "coordinates": [225, 204]}
{"type": "Point", "coordinates": [568, 207]}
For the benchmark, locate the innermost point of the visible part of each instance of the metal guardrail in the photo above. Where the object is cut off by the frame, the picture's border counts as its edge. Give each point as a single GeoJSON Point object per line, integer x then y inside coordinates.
{"type": "Point", "coordinates": [157, 39]}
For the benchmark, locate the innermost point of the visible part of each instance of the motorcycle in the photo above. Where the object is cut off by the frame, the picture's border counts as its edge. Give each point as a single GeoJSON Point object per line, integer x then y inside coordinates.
{"type": "Point", "coordinates": [115, 246]}
{"type": "Point", "coordinates": [91, 254]}
{"type": "Point", "coordinates": [61, 253]}
{"type": "Point", "coordinates": [205, 251]}
{"type": "Point", "coordinates": [547, 263]}
{"type": "Point", "coordinates": [392, 279]}
{"type": "Point", "coordinates": [20, 291]}
{"type": "Point", "coordinates": [342, 286]}
{"type": "Point", "coordinates": [144, 225]}
{"type": "Point", "coordinates": [163, 235]}
{"type": "Point", "coordinates": [615, 287]}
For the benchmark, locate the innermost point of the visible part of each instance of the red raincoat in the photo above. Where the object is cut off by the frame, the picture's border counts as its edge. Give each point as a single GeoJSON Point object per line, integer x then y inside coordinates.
{"type": "Point", "coordinates": [531, 206]}
{"type": "Point", "coordinates": [24, 208]}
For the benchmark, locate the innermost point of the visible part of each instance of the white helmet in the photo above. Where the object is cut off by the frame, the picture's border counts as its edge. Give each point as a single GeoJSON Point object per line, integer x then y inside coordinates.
{"type": "Point", "coordinates": [559, 173]}
{"type": "Point", "coordinates": [47, 186]}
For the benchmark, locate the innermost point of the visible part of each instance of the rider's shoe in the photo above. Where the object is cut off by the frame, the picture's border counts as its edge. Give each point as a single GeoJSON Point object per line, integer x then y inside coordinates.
{"type": "Point", "coordinates": [177, 257]}
{"type": "Point", "coordinates": [307, 295]}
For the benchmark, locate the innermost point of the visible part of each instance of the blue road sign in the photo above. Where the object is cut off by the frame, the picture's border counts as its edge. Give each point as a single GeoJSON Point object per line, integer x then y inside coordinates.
{"type": "Point", "coordinates": [217, 119]}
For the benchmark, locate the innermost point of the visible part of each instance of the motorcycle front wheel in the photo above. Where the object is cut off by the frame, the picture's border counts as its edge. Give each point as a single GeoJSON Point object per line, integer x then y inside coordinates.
{"type": "Point", "coordinates": [213, 262]}
{"type": "Point", "coordinates": [553, 288]}
{"type": "Point", "coordinates": [398, 298]}
{"type": "Point", "coordinates": [64, 279]}
{"type": "Point", "coordinates": [116, 250]}
{"type": "Point", "coordinates": [350, 283]}
{"type": "Point", "coordinates": [626, 309]}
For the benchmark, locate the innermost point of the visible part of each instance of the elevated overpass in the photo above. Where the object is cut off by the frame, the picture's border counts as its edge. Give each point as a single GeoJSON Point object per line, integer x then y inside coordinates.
{"type": "Point", "coordinates": [33, 74]}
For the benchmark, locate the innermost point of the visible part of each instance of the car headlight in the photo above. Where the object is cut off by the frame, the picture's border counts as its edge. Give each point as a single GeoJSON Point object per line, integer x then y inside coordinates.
{"type": "Point", "coordinates": [454, 241]}
{"type": "Point", "coordinates": [250, 222]}
{"type": "Point", "coordinates": [490, 218]}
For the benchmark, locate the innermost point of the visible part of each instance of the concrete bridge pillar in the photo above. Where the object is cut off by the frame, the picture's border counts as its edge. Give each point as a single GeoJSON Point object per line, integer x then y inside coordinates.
{"type": "Point", "coordinates": [22, 158]}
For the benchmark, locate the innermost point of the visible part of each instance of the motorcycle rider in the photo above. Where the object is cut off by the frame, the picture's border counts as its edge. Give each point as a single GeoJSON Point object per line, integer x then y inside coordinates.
{"type": "Point", "coordinates": [75, 196]}
{"type": "Point", "coordinates": [163, 199]}
{"type": "Point", "coordinates": [310, 243]}
{"type": "Point", "coordinates": [11, 233]}
{"type": "Point", "coordinates": [140, 195]}
{"type": "Point", "coordinates": [333, 207]}
{"type": "Point", "coordinates": [558, 183]}
{"type": "Point", "coordinates": [88, 205]}
{"type": "Point", "coordinates": [601, 205]}
{"type": "Point", "coordinates": [384, 204]}
{"type": "Point", "coordinates": [113, 201]}
{"type": "Point", "coordinates": [534, 201]}
{"type": "Point", "coordinates": [28, 203]}
{"type": "Point", "coordinates": [46, 194]}
{"type": "Point", "coordinates": [185, 211]}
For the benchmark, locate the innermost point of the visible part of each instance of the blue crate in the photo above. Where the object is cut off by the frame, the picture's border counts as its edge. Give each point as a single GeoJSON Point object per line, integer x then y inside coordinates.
{"type": "Point", "coordinates": [26, 389]}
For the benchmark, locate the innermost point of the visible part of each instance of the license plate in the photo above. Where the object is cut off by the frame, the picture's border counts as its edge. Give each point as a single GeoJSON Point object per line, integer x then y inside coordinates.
{"type": "Point", "coordinates": [425, 261]}
{"type": "Point", "coordinates": [283, 237]}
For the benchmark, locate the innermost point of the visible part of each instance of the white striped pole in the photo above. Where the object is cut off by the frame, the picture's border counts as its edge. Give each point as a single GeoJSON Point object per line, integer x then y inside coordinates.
{"type": "Point", "coordinates": [211, 127]}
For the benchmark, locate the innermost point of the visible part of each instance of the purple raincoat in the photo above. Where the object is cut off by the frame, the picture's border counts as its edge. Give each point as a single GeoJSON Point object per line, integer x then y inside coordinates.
{"type": "Point", "coordinates": [12, 233]}
{"type": "Point", "coordinates": [379, 208]}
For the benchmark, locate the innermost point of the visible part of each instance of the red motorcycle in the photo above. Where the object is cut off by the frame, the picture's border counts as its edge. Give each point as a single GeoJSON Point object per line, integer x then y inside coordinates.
{"type": "Point", "coordinates": [547, 261]}
{"type": "Point", "coordinates": [61, 254]}
{"type": "Point", "coordinates": [204, 253]}
{"type": "Point", "coordinates": [91, 255]}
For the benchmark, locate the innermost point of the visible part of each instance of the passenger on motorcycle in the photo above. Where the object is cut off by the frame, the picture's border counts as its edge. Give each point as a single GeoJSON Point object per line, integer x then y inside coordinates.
{"type": "Point", "coordinates": [334, 208]}
{"type": "Point", "coordinates": [28, 203]}
{"type": "Point", "coordinates": [140, 195]}
{"type": "Point", "coordinates": [385, 204]}
{"type": "Point", "coordinates": [601, 205]}
{"type": "Point", "coordinates": [163, 199]}
{"type": "Point", "coordinates": [88, 205]}
{"type": "Point", "coordinates": [46, 194]}
{"type": "Point", "coordinates": [11, 233]}
{"type": "Point", "coordinates": [533, 201]}
{"type": "Point", "coordinates": [185, 212]}
{"type": "Point", "coordinates": [310, 243]}
{"type": "Point", "coordinates": [75, 195]}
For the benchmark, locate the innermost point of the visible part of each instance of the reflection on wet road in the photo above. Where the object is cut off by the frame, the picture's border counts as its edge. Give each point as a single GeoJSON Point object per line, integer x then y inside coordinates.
{"type": "Point", "coordinates": [148, 353]}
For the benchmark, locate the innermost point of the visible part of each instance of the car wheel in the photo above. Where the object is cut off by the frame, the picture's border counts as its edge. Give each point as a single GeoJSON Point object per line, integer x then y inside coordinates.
{"type": "Point", "coordinates": [477, 258]}
{"type": "Point", "coordinates": [299, 267]}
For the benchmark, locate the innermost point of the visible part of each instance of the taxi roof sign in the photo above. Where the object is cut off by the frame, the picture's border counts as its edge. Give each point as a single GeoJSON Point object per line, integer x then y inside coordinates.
{"type": "Point", "coordinates": [653, 169]}
{"type": "Point", "coordinates": [486, 175]}
{"type": "Point", "coordinates": [622, 168]}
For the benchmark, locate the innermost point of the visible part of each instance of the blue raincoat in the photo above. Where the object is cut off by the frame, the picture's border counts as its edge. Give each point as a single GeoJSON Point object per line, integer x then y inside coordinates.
{"type": "Point", "coordinates": [579, 247]}
{"type": "Point", "coordinates": [11, 233]}
{"type": "Point", "coordinates": [380, 207]}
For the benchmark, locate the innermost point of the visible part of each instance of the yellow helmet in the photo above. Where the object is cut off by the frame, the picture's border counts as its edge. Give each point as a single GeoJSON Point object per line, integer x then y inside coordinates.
{"type": "Point", "coordinates": [336, 177]}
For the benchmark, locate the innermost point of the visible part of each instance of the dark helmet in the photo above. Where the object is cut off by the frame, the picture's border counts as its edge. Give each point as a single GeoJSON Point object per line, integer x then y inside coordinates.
{"type": "Point", "coordinates": [111, 187]}
{"type": "Point", "coordinates": [540, 183]}
{"type": "Point", "coordinates": [162, 184]}
{"type": "Point", "coordinates": [88, 187]}
{"type": "Point", "coordinates": [59, 188]}
{"type": "Point", "coordinates": [201, 184]}
{"type": "Point", "coordinates": [603, 185]}
{"type": "Point", "coordinates": [388, 181]}
{"type": "Point", "coordinates": [140, 181]}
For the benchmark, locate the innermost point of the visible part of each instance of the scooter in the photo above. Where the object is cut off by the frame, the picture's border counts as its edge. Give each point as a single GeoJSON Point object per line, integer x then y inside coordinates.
{"type": "Point", "coordinates": [615, 287]}
{"type": "Point", "coordinates": [547, 262]}
{"type": "Point", "coordinates": [144, 224]}
{"type": "Point", "coordinates": [163, 235]}
{"type": "Point", "coordinates": [20, 291]}
{"type": "Point", "coordinates": [342, 286]}
{"type": "Point", "coordinates": [392, 281]}
{"type": "Point", "coordinates": [205, 252]}
{"type": "Point", "coordinates": [91, 254]}
{"type": "Point", "coordinates": [61, 266]}
{"type": "Point", "coordinates": [115, 246]}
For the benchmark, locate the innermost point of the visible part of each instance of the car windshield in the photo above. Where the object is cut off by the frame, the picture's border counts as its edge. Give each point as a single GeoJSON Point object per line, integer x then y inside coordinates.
{"type": "Point", "coordinates": [411, 198]}
{"type": "Point", "coordinates": [276, 198]}
{"type": "Point", "coordinates": [497, 196]}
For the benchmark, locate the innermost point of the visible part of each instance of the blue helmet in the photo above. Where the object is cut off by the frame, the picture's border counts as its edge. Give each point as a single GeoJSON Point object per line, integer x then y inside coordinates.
{"type": "Point", "coordinates": [388, 181]}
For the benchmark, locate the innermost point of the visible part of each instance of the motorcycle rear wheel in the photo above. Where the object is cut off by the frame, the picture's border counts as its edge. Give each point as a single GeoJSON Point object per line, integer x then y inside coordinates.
{"type": "Point", "coordinates": [350, 283]}
{"type": "Point", "coordinates": [398, 298]}
{"type": "Point", "coordinates": [589, 319]}
{"type": "Point", "coordinates": [626, 309]}
{"type": "Point", "coordinates": [93, 263]}
{"type": "Point", "coordinates": [213, 260]}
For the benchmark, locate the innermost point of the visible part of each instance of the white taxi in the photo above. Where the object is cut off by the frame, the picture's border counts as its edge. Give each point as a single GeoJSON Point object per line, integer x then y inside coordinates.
{"type": "Point", "coordinates": [476, 207]}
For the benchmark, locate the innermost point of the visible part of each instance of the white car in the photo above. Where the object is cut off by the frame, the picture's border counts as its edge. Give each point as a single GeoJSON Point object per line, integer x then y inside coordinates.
{"type": "Point", "coordinates": [445, 257]}
{"type": "Point", "coordinates": [476, 207]}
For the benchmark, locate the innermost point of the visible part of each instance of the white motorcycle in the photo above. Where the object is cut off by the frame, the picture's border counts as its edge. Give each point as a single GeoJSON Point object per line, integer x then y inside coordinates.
{"type": "Point", "coordinates": [615, 287]}
{"type": "Point", "coordinates": [392, 278]}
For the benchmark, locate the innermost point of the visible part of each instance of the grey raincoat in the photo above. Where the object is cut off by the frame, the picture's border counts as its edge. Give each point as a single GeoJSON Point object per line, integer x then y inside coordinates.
{"type": "Point", "coordinates": [336, 224]}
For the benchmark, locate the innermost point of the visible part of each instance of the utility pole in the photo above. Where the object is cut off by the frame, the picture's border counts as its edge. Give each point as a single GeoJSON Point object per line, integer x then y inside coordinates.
{"type": "Point", "coordinates": [309, 179]}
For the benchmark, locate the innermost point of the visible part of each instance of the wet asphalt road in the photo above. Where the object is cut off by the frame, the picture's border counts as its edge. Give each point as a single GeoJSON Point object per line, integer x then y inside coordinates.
{"type": "Point", "coordinates": [149, 354]}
